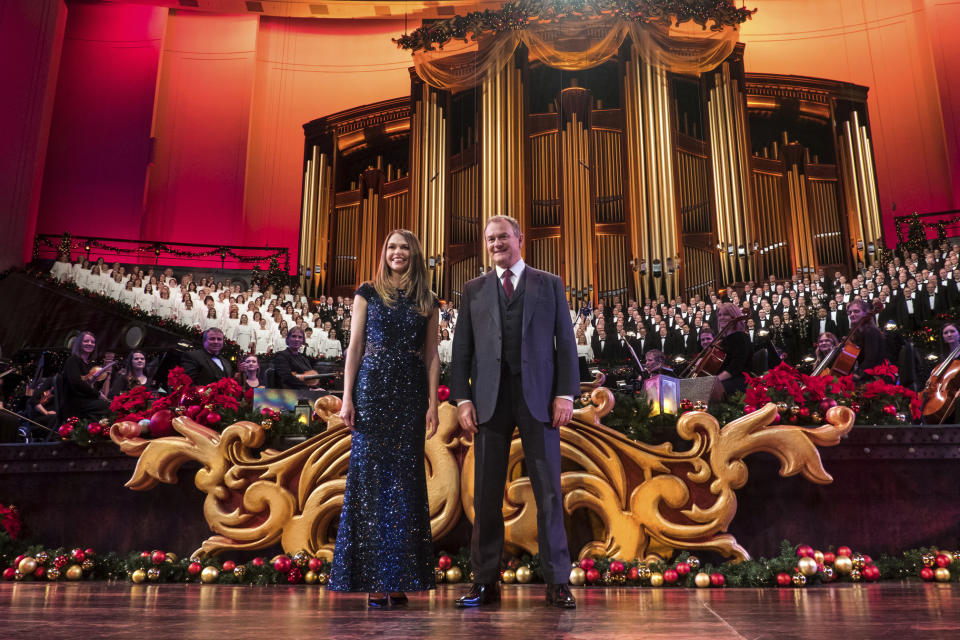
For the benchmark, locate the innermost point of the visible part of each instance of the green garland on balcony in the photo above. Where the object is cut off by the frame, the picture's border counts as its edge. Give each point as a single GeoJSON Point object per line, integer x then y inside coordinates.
{"type": "Point", "coordinates": [518, 15]}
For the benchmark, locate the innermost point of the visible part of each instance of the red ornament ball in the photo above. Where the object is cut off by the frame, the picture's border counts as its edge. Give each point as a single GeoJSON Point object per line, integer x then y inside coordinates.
{"type": "Point", "coordinates": [592, 575]}
{"type": "Point", "coordinates": [784, 580]}
{"type": "Point", "coordinates": [670, 575]}
{"type": "Point", "coordinates": [805, 551]}
{"type": "Point", "coordinates": [158, 557]}
{"type": "Point", "coordinates": [78, 555]}
{"type": "Point", "coordinates": [616, 567]}
{"type": "Point", "coordinates": [39, 572]}
{"type": "Point", "coordinates": [749, 408]}
{"type": "Point", "coordinates": [90, 553]}
{"type": "Point", "coordinates": [229, 565]}
{"type": "Point", "coordinates": [844, 551]}
{"type": "Point", "coordinates": [586, 564]}
{"type": "Point", "coordinates": [444, 562]}
{"type": "Point", "coordinates": [257, 562]}
{"type": "Point", "coordinates": [804, 412]}
{"type": "Point", "coordinates": [10, 573]}
{"type": "Point", "coordinates": [60, 562]}
{"type": "Point", "coordinates": [143, 554]}
{"type": "Point", "coordinates": [867, 559]}
{"type": "Point", "coordinates": [926, 573]}
{"type": "Point", "coordinates": [16, 563]}
{"type": "Point", "coordinates": [633, 573]}
{"type": "Point", "coordinates": [717, 579]}
{"type": "Point", "coordinates": [829, 557]}
{"type": "Point", "coordinates": [315, 564]}
{"type": "Point", "coordinates": [943, 560]}
{"type": "Point", "coordinates": [443, 393]}
{"type": "Point", "coordinates": [282, 564]}
{"type": "Point", "coordinates": [194, 568]}
{"type": "Point", "coordinates": [213, 418]}
{"type": "Point", "coordinates": [871, 573]}
{"type": "Point", "coordinates": [682, 568]}
{"type": "Point", "coordinates": [890, 409]}
{"type": "Point", "coordinates": [294, 576]}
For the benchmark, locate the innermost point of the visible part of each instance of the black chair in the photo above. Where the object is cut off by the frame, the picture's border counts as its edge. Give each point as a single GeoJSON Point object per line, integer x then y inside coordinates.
{"type": "Point", "coordinates": [270, 378]}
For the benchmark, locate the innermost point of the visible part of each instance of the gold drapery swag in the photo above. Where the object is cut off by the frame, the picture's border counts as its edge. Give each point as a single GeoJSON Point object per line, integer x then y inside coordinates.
{"type": "Point", "coordinates": [574, 45]}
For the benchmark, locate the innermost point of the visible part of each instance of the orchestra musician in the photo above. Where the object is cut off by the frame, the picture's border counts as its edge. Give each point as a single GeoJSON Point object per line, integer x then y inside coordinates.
{"type": "Point", "coordinates": [939, 396]}
{"type": "Point", "coordinates": [870, 340]}
{"type": "Point", "coordinates": [826, 343]}
{"type": "Point", "coordinates": [290, 364]}
{"type": "Point", "coordinates": [206, 366]}
{"type": "Point", "coordinates": [736, 346]}
{"type": "Point", "coordinates": [82, 397]}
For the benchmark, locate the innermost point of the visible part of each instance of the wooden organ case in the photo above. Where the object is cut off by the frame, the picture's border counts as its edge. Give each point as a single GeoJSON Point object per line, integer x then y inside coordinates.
{"type": "Point", "coordinates": [629, 181]}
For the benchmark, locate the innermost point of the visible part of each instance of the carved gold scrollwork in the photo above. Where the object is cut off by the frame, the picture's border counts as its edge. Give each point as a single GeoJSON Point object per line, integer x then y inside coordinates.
{"type": "Point", "coordinates": [651, 500]}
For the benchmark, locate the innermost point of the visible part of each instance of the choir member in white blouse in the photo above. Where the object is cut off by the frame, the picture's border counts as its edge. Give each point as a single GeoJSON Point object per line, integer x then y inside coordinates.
{"type": "Point", "coordinates": [264, 336]}
{"type": "Point", "coordinates": [332, 347]}
{"type": "Point", "coordinates": [445, 346]}
{"type": "Point", "coordinates": [164, 306]}
{"type": "Point", "coordinates": [584, 350]}
{"type": "Point", "coordinates": [280, 339]}
{"type": "Point", "coordinates": [243, 334]}
{"type": "Point", "coordinates": [128, 295]}
{"type": "Point", "coordinates": [188, 315]}
{"type": "Point", "coordinates": [211, 321]}
{"type": "Point", "coordinates": [83, 275]}
{"type": "Point", "coordinates": [145, 299]}
{"type": "Point", "coordinates": [62, 270]}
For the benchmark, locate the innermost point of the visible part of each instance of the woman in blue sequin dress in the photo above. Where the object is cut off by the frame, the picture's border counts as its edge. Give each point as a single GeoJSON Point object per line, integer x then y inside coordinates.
{"type": "Point", "coordinates": [391, 375]}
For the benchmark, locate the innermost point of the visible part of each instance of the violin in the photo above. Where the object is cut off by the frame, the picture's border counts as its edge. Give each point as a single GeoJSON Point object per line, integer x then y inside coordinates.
{"type": "Point", "coordinates": [100, 373]}
{"type": "Point", "coordinates": [939, 397]}
{"type": "Point", "coordinates": [847, 351]}
{"type": "Point", "coordinates": [311, 378]}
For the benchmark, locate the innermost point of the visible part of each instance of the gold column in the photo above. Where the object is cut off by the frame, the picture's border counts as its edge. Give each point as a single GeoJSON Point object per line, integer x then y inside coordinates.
{"type": "Point", "coordinates": [577, 227]}
{"type": "Point", "coordinates": [860, 186]}
{"type": "Point", "coordinates": [428, 176]}
{"type": "Point", "coordinates": [726, 107]}
{"type": "Point", "coordinates": [650, 182]}
{"type": "Point", "coordinates": [315, 220]}
{"type": "Point", "coordinates": [502, 189]}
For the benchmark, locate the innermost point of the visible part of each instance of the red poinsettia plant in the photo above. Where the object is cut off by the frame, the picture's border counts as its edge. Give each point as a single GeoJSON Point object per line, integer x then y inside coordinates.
{"type": "Point", "coordinates": [10, 521]}
{"type": "Point", "coordinates": [884, 402]}
{"type": "Point", "coordinates": [801, 399]}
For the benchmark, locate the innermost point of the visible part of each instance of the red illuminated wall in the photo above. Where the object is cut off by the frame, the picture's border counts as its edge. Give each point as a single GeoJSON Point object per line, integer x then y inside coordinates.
{"type": "Point", "coordinates": [225, 97]}
{"type": "Point", "coordinates": [100, 134]}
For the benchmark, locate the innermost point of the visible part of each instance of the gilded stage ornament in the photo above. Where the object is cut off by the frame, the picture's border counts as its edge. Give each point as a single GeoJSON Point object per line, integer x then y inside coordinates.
{"type": "Point", "coordinates": [648, 501]}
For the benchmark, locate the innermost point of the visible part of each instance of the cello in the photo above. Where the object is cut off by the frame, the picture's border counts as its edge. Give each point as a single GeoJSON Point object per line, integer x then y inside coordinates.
{"type": "Point", "coordinates": [710, 361]}
{"type": "Point", "coordinates": [939, 397]}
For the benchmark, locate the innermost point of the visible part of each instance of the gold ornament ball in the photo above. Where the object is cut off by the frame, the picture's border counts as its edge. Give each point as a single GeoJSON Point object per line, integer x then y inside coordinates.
{"type": "Point", "coordinates": [942, 574]}
{"type": "Point", "coordinates": [454, 574]}
{"type": "Point", "coordinates": [702, 580]}
{"type": "Point", "coordinates": [928, 559]}
{"type": "Point", "coordinates": [266, 424]}
{"type": "Point", "coordinates": [828, 574]}
{"type": "Point", "coordinates": [42, 557]}
{"type": "Point", "coordinates": [818, 556]}
{"type": "Point", "coordinates": [27, 566]}
{"type": "Point", "coordinates": [794, 410]}
{"type": "Point", "coordinates": [17, 575]}
{"type": "Point", "coordinates": [323, 578]}
{"type": "Point", "coordinates": [53, 574]}
{"type": "Point", "coordinates": [439, 574]}
{"type": "Point", "coordinates": [473, 576]}
{"type": "Point", "coordinates": [137, 576]}
{"type": "Point", "coordinates": [816, 417]}
{"type": "Point", "coordinates": [782, 407]}
{"type": "Point", "coordinates": [74, 572]}
{"type": "Point", "coordinates": [87, 565]}
{"type": "Point", "coordinates": [239, 571]}
{"type": "Point", "coordinates": [209, 574]}
{"type": "Point", "coordinates": [799, 580]}
{"type": "Point", "coordinates": [153, 574]}
{"type": "Point", "coordinates": [855, 575]}
{"type": "Point", "coordinates": [310, 577]}
{"type": "Point", "coordinates": [524, 575]}
{"type": "Point", "coordinates": [656, 579]}
{"type": "Point", "coordinates": [300, 559]}
{"type": "Point", "coordinates": [700, 405]}
{"type": "Point", "coordinates": [577, 576]}
{"type": "Point", "coordinates": [171, 557]}
{"type": "Point", "coordinates": [644, 572]}
{"type": "Point", "coordinates": [510, 576]}
{"type": "Point", "coordinates": [858, 562]}
{"type": "Point", "coordinates": [584, 399]}
{"type": "Point", "coordinates": [843, 564]}
{"type": "Point", "coordinates": [807, 566]}
{"type": "Point", "coordinates": [694, 563]}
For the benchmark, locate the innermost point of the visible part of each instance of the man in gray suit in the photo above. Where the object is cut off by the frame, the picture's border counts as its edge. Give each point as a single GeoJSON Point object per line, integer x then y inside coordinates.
{"type": "Point", "coordinates": [515, 365]}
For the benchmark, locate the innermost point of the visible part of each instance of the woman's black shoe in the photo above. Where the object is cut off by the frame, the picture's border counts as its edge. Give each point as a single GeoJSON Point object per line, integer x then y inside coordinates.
{"type": "Point", "coordinates": [377, 601]}
{"type": "Point", "coordinates": [399, 599]}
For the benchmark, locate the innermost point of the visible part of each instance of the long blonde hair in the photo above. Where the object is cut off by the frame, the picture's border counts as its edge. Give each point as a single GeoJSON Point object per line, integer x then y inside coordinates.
{"type": "Point", "coordinates": [413, 280]}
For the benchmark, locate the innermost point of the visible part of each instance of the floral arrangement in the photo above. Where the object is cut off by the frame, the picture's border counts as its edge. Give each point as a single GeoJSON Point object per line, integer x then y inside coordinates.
{"type": "Point", "coordinates": [10, 521]}
{"type": "Point", "coordinates": [521, 13]}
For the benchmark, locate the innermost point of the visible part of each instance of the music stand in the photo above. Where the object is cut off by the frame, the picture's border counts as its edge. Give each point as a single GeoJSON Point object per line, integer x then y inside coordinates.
{"type": "Point", "coordinates": [665, 392]}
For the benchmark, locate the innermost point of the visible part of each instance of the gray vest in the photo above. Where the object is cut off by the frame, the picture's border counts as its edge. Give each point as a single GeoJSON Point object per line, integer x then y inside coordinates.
{"type": "Point", "coordinates": [511, 323]}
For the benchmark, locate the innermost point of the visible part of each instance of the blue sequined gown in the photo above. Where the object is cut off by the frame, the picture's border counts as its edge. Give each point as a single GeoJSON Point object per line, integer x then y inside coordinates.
{"type": "Point", "coordinates": [383, 542]}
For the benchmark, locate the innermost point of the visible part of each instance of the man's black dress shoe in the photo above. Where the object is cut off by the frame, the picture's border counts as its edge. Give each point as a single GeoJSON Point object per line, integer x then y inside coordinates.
{"type": "Point", "coordinates": [480, 594]}
{"type": "Point", "coordinates": [399, 598]}
{"type": "Point", "coordinates": [558, 595]}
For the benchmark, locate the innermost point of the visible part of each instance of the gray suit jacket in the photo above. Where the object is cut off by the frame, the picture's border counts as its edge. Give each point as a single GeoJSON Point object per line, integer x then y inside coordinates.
{"type": "Point", "coordinates": [548, 348]}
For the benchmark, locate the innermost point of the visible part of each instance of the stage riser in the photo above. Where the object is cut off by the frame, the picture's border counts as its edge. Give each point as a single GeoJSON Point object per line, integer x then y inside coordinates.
{"type": "Point", "coordinates": [893, 489]}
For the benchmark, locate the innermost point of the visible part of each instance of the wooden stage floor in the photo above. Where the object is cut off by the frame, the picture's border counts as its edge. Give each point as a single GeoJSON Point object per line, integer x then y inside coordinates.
{"type": "Point", "coordinates": [101, 610]}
